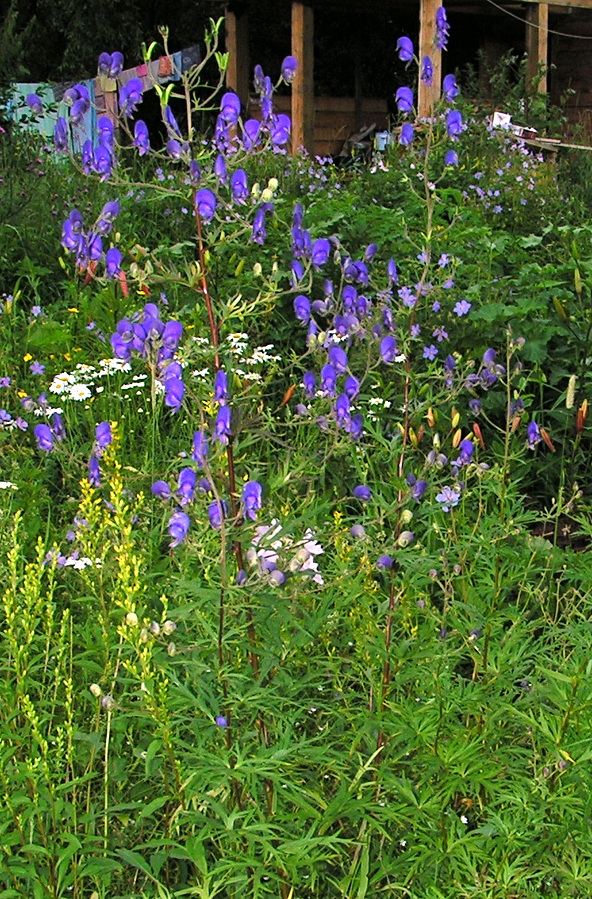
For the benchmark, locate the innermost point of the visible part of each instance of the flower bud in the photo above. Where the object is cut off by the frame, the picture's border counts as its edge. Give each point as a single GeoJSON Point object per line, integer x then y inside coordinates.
{"type": "Point", "coordinates": [168, 627]}
{"type": "Point", "coordinates": [171, 649]}
{"type": "Point", "coordinates": [95, 690]}
{"type": "Point", "coordinates": [132, 619]}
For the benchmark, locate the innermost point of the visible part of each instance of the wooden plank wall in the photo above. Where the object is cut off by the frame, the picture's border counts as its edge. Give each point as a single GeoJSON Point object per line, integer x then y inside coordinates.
{"type": "Point", "coordinates": [335, 119]}
{"type": "Point", "coordinates": [572, 61]}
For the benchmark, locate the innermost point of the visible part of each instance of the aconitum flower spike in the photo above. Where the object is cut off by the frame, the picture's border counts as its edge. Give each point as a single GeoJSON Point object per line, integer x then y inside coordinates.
{"type": "Point", "coordinates": [44, 437]}
{"type": "Point", "coordinates": [103, 434]}
{"type": "Point", "coordinates": [450, 88]}
{"type": "Point", "coordinates": [289, 68]}
{"type": "Point", "coordinates": [405, 49]}
{"type": "Point", "coordinates": [206, 204]}
{"type": "Point", "coordinates": [230, 107]}
{"type": "Point", "coordinates": [406, 135]}
{"type": "Point", "coordinates": [141, 137]}
{"type": "Point", "coordinates": [252, 499]}
{"type": "Point", "coordinates": [302, 308]}
{"type": "Point", "coordinates": [178, 528]}
{"type": "Point", "coordinates": [442, 29]}
{"type": "Point", "coordinates": [404, 99]}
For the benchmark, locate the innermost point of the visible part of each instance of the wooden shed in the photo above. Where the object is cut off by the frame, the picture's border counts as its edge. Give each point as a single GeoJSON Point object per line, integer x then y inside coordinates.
{"type": "Point", "coordinates": [556, 36]}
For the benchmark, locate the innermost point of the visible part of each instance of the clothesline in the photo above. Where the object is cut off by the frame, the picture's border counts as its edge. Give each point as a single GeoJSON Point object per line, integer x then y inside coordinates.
{"type": "Point", "coordinates": [102, 92]}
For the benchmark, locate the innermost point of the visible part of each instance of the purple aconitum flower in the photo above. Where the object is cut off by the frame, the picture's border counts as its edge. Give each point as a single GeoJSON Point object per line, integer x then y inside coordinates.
{"type": "Point", "coordinates": [448, 498]}
{"type": "Point", "coordinates": [297, 272]}
{"type": "Point", "coordinates": [106, 133]}
{"type": "Point", "coordinates": [107, 216]}
{"type": "Point", "coordinates": [258, 78]}
{"type": "Point", "coordinates": [102, 162]}
{"type": "Point", "coordinates": [384, 562]}
{"type": "Point", "coordinates": [44, 438]}
{"type": "Point", "coordinates": [280, 130]}
{"type": "Point", "coordinates": [451, 157]}
{"type": "Point", "coordinates": [454, 123]}
{"type": "Point", "coordinates": [94, 472]}
{"type": "Point", "coordinates": [239, 186]}
{"type": "Point", "coordinates": [321, 249]}
{"type": "Point", "coordinates": [174, 149]}
{"type": "Point", "coordinates": [141, 137]}
{"type": "Point", "coordinates": [259, 232]}
{"type": "Point", "coordinates": [427, 71]}
{"type": "Point", "coordinates": [406, 135]}
{"type": "Point", "coordinates": [116, 64]}
{"type": "Point", "coordinates": [533, 434]}
{"type": "Point", "coordinates": [351, 387]}
{"type": "Point", "coordinates": [178, 528]}
{"type": "Point", "coordinates": [112, 262]}
{"type": "Point", "coordinates": [161, 489]}
{"type": "Point", "coordinates": [95, 246]}
{"type": "Point", "coordinates": [130, 96]}
{"type": "Point", "coordinates": [78, 110]}
{"type": "Point", "coordinates": [104, 64]}
{"type": "Point", "coordinates": [221, 394]}
{"type": "Point", "coordinates": [172, 334]}
{"type": "Point", "coordinates": [230, 107]}
{"type": "Point", "coordinates": [174, 392]}
{"type": "Point", "coordinates": [34, 103]}
{"type": "Point", "coordinates": [405, 49]}
{"type": "Point", "coordinates": [358, 531]}
{"type": "Point", "coordinates": [342, 410]}
{"type": "Point", "coordinates": [309, 383]}
{"type": "Point", "coordinates": [251, 134]}
{"type": "Point", "coordinates": [363, 493]}
{"type": "Point", "coordinates": [103, 435]}
{"type": "Point", "coordinates": [442, 29]}
{"type": "Point", "coordinates": [60, 135]}
{"type": "Point", "coordinates": [465, 455]}
{"type": "Point", "coordinates": [418, 490]}
{"type": "Point", "coordinates": [222, 431]}
{"type": "Point", "coordinates": [289, 68]}
{"type": "Point", "coordinates": [302, 308]}
{"type": "Point", "coordinates": [450, 88]}
{"type": "Point", "coordinates": [221, 721]}
{"type": "Point", "coordinates": [404, 99]}
{"type": "Point", "coordinates": [388, 349]}
{"type": "Point", "coordinates": [194, 172]}
{"type": "Point", "coordinates": [252, 499]}
{"type": "Point", "coordinates": [199, 452]}
{"type": "Point", "coordinates": [186, 485]}
{"type": "Point", "coordinates": [392, 271]}
{"type": "Point", "coordinates": [171, 122]}
{"type": "Point", "coordinates": [220, 170]}
{"type": "Point", "coordinates": [338, 359]}
{"type": "Point", "coordinates": [217, 513]}
{"type": "Point", "coordinates": [205, 202]}
{"type": "Point", "coordinates": [328, 380]}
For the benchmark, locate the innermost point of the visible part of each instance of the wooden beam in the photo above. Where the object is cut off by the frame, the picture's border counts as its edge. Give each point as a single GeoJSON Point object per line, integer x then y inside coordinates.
{"type": "Point", "coordinates": [537, 45]}
{"type": "Point", "coordinates": [238, 73]}
{"type": "Point", "coordinates": [303, 85]}
{"type": "Point", "coordinates": [427, 96]}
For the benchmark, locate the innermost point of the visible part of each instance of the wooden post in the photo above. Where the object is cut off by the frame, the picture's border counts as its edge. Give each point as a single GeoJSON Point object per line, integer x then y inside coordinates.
{"type": "Point", "coordinates": [537, 44]}
{"type": "Point", "coordinates": [303, 85]}
{"type": "Point", "coordinates": [238, 75]}
{"type": "Point", "coordinates": [427, 96]}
